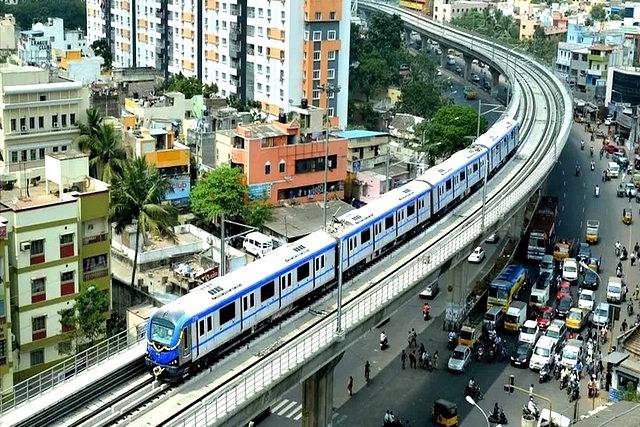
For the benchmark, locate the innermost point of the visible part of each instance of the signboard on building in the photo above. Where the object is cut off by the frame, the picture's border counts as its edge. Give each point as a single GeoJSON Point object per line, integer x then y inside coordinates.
{"type": "Point", "coordinates": [259, 191]}
{"type": "Point", "coordinates": [40, 44]}
{"type": "Point", "coordinates": [180, 188]}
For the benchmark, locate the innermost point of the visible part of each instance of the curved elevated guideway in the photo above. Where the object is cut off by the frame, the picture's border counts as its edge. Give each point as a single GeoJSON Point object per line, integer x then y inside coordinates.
{"type": "Point", "coordinates": [542, 105]}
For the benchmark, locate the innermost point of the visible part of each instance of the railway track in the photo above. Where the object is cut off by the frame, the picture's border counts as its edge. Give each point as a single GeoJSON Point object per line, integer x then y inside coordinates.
{"type": "Point", "coordinates": [539, 108]}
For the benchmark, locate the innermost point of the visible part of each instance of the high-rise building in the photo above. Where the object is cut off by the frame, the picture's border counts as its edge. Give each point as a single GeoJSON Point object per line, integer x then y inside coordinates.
{"type": "Point", "coordinates": [273, 51]}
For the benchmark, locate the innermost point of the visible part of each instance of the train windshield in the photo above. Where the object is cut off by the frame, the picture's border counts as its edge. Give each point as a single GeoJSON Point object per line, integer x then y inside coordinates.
{"type": "Point", "coordinates": [161, 331]}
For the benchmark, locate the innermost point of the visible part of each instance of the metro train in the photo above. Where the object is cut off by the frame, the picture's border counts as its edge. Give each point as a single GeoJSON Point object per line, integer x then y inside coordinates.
{"type": "Point", "coordinates": [189, 333]}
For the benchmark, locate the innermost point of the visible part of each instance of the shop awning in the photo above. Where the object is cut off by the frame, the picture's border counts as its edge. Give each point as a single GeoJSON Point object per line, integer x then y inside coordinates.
{"type": "Point", "coordinates": [615, 358]}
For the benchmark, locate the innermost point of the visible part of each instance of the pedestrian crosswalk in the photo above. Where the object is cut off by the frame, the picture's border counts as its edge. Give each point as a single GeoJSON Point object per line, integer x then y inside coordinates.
{"type": "Point", "coordinates": [288, 409]}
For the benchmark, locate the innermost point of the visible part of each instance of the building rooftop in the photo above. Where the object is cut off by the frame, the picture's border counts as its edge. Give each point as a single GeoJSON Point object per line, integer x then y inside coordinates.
{"type": "Point", "coordinates": [296, 221]}
{"type": "Point", "coordinates": [571, 46]}
{"type": "Point", "coordinates": [357, 134]}
{"type": "Point", "coordinates": [601, 47]}
{"type": "Point", "coordinates": [265, 130]}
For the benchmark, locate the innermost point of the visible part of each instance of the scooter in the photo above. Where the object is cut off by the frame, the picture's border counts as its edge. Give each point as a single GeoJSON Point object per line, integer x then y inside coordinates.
{"type": "Point", "coordinates": [545, 374]}
{"type": "Point", "coordinates": [574, 392]}
{"type": "Point", "coordinates": [593, 166]}
{"type": "Point", "coordinates": [425, 314]}
{"type": "Point", "coordinates": [527, 411]}
{"type": "Point", "coordinates": [493, 353]}
{"type": "Point", "coordinates": [451, 345]}
{"type": "Point", "coordinates": [597, 191]}
{"type": "Point", "coordinates": [480, 352]}
{"type": "Point", "coordinates": [498, 417]}
{"type": "Point", "coordinates": [474, 392]}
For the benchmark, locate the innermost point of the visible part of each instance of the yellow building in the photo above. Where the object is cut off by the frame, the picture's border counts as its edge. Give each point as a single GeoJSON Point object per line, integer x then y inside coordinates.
{"type": "Point", "coordinates": [58, 239]}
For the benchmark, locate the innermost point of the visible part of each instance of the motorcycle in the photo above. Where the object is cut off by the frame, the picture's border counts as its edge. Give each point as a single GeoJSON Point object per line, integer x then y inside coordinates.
{"type": "Point", "coordinates": [425, 314]}
{"type": "Point", "coordinates": [493, 353]}
{"type": "Point", "coordinates": [574, 392]}
{"type": "Point", "coordinates": [593, 166]}
{"type": "Point", "coordinates": [527, 411]}
{"type": "Point", "coordinates": [564, 380]}
{"type": "Point", "coordinates": [384, 344]}
{"type": "Point", "coordinates": [452, 344]}
{"type": "Point", "coordinates": [474, 392]}
{"type": "Point", "coordinates": [591, 151]}
{"type": "Point", "coordinates": [498, 416]}
{"type": "Point", "coordinates": [582, 146]}
{"type": "Point", "coordinates": [545, 374]}
{"type": "Point", "coordinates": [597, 191]}
{"type": "Point", "coordinates": [425, 363]}
{"type": "Point", "coordinates": [480, 352]}
{"type": "Point", "coordinates": [557, 370]}
{"type": "Point", "coordinates": [577, 170]}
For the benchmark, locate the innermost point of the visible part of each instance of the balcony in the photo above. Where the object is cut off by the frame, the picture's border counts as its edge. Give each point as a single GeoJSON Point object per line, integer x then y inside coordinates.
{"type": "Point", "coordinates": [234, 48]}
{"type": "Point", "coordinates": [235, 11]}
{"type": "Point", "coordinates": [95, 274]}
{"type": "Point", "coordinates": [95, 239]}
{"type": "Point", "coordinates": [235, 64]}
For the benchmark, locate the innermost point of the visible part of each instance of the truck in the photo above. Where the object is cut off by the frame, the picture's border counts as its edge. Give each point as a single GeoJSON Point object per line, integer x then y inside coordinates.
{"type": "Point", "coordinates": [543, 226]}
{"type": "Point", "coordinates": [593, 227]}
{"type": "Point", "coordinates": [469, 92]}
{"type": "Point", "coordinates": [516, 316]}
{"type": "Point", "coordinates": [563, 248]}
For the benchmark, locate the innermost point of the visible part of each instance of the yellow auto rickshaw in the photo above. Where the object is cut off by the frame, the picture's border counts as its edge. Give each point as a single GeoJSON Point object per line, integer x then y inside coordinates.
{"type": "Point", "coordinates": [627, 216]}
{"type": "Point", "coordinates": [445, 413]}
{"type": "Point", "coordinates": [469, 334]}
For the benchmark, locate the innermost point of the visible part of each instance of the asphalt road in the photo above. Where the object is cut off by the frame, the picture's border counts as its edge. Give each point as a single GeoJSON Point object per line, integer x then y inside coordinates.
{"type": "Point", "coordinates": [410, 393]}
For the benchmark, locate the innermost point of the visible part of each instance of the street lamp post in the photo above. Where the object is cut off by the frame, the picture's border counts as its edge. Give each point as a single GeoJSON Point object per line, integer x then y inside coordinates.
{"type": "Point", "coordinates": [484, 414]}
{"type": "Point", "coordinates": [329, 89]}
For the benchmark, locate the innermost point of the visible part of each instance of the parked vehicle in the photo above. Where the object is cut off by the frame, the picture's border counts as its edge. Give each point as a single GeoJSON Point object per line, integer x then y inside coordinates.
{"type": "Point", "coordinates": [542, 228]}
{"type": "Point", "coordinates": [615, 290]}
{"type": "Point", "coordinates": [522, 354]}
{"type": "Point", "coordinates": [543, 353]}
{"type": "Point", "coordinates": [493, 318]}
{"type": "Point", "coordinates": [593, 228]}
{"type": "Point", "coordinates": [516, 316]}
{"type": "Point", "coordinates": [545, 317]}
{"type": "Point", "coordinates": [547, 265]}
{"type": "Point", "coordinates": [563, 248]}
{"type": "Point", "coordinates": [600, 315]}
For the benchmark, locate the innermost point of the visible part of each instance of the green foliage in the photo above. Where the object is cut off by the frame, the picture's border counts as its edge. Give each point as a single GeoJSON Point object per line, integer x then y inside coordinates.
{"type": "Point", "coordinates": [243, 107]}
{"type": "Point", "coordinates": [74, 12]}
{"type": "Point", "coordinates": [363, 116]}
{"type": "Point", "coordinates": [451, 129]}
{"type": "Point", "coordinates": [87, 319]}
{"type": "Point", "coordinates": [631, 393]}
{"type": "Point", "coordinates": [419, 98]}
{"type": "Point", "coordinates": [221, 191]}
{"type": "Point", "coordinates": [373, 75]}
{"type": "Point", "coordinates": [210, 90]}
{"type": "Point", "coordinates": [102, 48]}
{"type": "Point", "coordinates": [598, 13]}
{"type": "Point", "coordinates": [188, 86]}
{"type": "Point", "coordinates": [588, 22]}
{"type": "Point", "coordinates": [257, 213]}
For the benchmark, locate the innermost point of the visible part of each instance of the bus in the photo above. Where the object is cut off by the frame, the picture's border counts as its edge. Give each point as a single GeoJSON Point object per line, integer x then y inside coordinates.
{"type": "Point", "coordinates": [504, 287]}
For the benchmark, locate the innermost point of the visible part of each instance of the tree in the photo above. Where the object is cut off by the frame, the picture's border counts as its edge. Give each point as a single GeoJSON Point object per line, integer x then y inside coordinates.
{"type": "Point", "coordinates": [89, 130]}
{"type": "Point", "coordinates": [451, 129]}
{"type": "Point", "coordinates": [372, 74]}
{"type": "Point", "coordinates": [72, 11]}
{"type": "Point", "coordinates": [210, 90]}
{"type": "Point", "coordinates": [419, 98]}
{"type": "Point", "coordinates": [86, 320]}
{"type": "Point", "coordinates": [363, 116]}
{"type": "Point", "coordinates": [102, 48]}
{"type": "Point", "coordinates": [385, 31]}
{"type": "Point", "coordinates": [221, 192]}
{"type": "Point", "coordinates": [137, 195]}
{"type": "Point", "coordinates": [188, 86]}
{"type": "Point", "coordinates": [243, 107]}
{"type": "Point", "coordinates": [256, 213]}
{"type": "Point", "coordinates": [598, 13]}
{"type": "Point", "coordinates": [107, 153]}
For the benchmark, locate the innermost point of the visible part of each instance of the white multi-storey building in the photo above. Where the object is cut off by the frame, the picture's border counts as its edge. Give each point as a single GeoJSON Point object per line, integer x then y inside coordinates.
{"type": "Point", "coordinates": [275, 52]}
{"type": "Point", "coordinates": [39, 116]}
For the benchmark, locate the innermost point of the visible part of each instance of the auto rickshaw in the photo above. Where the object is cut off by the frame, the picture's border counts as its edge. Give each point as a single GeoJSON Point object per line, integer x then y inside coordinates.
{"type": "Point", "coordinates": [594, 264]}
{"type": "Point", "coordinates": [627, 216]}
{"type": "Point", "coordinates": [469, 334]}
{"type": "Point", "coordinates": [445, 413]}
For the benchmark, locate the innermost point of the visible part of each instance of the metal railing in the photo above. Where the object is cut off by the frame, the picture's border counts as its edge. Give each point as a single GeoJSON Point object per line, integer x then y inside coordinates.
{"type": "Point", "coordinates": [70, 368]}
{"type": "Point", "coordinates": [236, 393]}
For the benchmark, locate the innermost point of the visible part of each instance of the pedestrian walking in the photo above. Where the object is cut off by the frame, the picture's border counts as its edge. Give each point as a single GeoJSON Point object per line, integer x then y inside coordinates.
{"type": "Point", "coordinates": [531, 390]}
{"type": "Point", "coordinates": [412, 360]}
{"type": "Point", "coordinates": [628, 193]}
{"type": "Point", "coordinates": [350, 386]}
{"type": "Point", "coordinates": [413, 336]}
{"type": "Point", "coordinates": [636, 293]}
{"type": "Point", "coordinates": [624, 326]}
{"type": "Point", "coordinates": [633, 258]}
{"type": "Point", "coordinates": [367, 371]}
{"type": "Point", "coordinates": [435, 359]}
{"type": "Point", "coordinates": [403, 358]}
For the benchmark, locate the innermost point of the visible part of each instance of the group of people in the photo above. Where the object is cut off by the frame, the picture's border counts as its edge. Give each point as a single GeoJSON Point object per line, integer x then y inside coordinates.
{"type": "Point", "coordinates": [390, 420]}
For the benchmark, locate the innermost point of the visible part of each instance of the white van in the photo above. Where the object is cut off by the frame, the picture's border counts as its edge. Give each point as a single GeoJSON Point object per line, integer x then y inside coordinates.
{"type": "Point", "coordinates": [257, 244]}
{"type": "Point", "coordinates": [570, 270]}
{"type": "Point", "coordinates": [571, 353]}
{"type": "Point", "coordinates": [615, 290]}
{"type": "Point", "coordinates": [451, 60]}
{"type": "Point", "coordinates": [614, 170]}
{"type": "Point", "coordinates": [542, 353]}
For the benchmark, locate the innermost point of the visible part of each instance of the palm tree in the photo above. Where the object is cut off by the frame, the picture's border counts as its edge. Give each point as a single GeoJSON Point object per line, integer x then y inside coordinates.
{"type": "Point", "coordinates": [137, 193]}
{"type": "Point", "coordinates": [107, 152]}
{"type": "Point", "coordinates": [89, 130]}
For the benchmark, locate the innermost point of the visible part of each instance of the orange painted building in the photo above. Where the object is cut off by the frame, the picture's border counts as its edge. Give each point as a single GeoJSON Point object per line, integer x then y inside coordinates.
{"type": "Point", "coordinates": [284, 160]}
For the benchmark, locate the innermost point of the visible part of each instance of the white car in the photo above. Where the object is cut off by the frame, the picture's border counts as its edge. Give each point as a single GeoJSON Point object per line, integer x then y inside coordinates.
{"type": "Point", "coordinates": [608, 121]}
{"type": "Point", "coordinates": [460, 358]}
{"type": "Point", "coordinates": [570, 270]}
{"type": "Point", "coordinates": [477, 255]}
{"type": "Point", "coordinates": [586, 299]}
{"type": "Point", "coordinates": [529, 332]}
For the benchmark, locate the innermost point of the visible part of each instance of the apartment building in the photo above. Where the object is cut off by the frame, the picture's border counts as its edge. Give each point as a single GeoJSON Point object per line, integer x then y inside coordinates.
{"type": "Point", "coordinates": [6, 342]}
{"type": "Point", "coordinates": [58, 239]}
{"type": "Point", "coordinates": [284, 161]}
{"type": "Point", "coordinates": [275, 52]}
{"type": "Point", "coordinates": [39, 116]}
{"type": "Point", "coordinates": [48, 40]}
{"type": "Point", "coordinates": [171, 105]}
{"type": "Point", "coordinates": [171, 158]}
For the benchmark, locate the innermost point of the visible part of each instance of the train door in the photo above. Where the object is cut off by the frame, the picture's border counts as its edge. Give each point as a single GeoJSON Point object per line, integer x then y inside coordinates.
{"type": "Point", "coordinates": [185, 346]}
{"type": "Point", "coordinates": [286, 290]}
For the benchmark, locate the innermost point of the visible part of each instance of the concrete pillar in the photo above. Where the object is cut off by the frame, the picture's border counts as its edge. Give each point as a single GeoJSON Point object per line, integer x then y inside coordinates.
{"type": "Point", "coordinates": [456, 299]}
{"type": "Point", "coordinates": [495, 82]}
{"type": "Point", "coordinates": [407, 37]}
{"type": "Point", "coordinates": [443, 56]}
{"type": "Point", "coordinates": [468, 67]}
{"type": "Point", "coordinates": [516, 224]}
{"type": "Point", "coordinates": [317, 396]}
{"type": "Point", "coordinates": [426, 46]}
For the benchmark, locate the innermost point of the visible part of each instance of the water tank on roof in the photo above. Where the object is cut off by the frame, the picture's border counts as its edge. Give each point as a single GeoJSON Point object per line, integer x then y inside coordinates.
{"type": "Point", "coordinates": [38, 26]}
{"type": "Point", "coordinates": [304, 103]}
{"type": "Point", "coordinates": [282, 118]}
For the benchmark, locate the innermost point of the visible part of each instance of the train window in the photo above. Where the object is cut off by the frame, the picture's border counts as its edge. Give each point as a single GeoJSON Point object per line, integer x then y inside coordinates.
{"type": "Point", "coordinates": [388, 222]}
{"type": "Point", "coordinates": [267, 291]}
{"type": "Point", "coordinates": [462, 175]}
{"type": "Point", "coordinates": [209, 324]}
{"type": "Point", "coordinates": [475, 167]}
{"type": "Point", "coordinates": [227, 313]}
{"type": "Point", "coordinates": [322, 261]}
{"type": "Point", "coordinates": [303, 272]}
{"type": "Point", "coordinates": [201, 324]}
{"type": "Point", "coordinates": [245, 306]}
{"type": "Point", "coordinates": [252, 301]}
{"type": "Point", "coordinates": [449, 185]}
{"type": "Point", "coordinates": [365, 236]}
{"type": "Point", "coordinates": [411, 209]}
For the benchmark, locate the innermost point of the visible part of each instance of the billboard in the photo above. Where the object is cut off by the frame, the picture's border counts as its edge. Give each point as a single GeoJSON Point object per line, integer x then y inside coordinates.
{"type": "Point", "coordinates": [259, 191]}
{"type": "Point", "coordinates": [180, 188]}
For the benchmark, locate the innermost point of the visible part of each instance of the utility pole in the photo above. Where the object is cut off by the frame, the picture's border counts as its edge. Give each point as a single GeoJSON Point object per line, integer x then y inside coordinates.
{"type": "Point", "coordinates": [387, 167]}
{"type": "Point", "coordinates": [328, 90]}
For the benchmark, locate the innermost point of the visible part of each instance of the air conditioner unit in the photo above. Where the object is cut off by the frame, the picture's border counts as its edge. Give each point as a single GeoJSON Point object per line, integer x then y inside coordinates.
{"type": "Point", "coordinates": [13, 337]}
{"type": "Point", "coordinates": [25, 246]}
{"type": "Point", "coordinates": [56, 125]}
{"type": "Point", "coordinates": [268, 76]}
{"type": "Point", "coordinates": [24, 128]}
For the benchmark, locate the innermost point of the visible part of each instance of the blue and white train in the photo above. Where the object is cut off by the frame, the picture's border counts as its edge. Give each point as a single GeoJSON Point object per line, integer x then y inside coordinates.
{"type": "Point", "coordinates": [190, 332]}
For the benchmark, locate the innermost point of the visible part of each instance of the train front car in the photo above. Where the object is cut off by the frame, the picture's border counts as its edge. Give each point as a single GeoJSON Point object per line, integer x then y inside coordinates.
{"type": "Point", "coordinates": [167, 344]}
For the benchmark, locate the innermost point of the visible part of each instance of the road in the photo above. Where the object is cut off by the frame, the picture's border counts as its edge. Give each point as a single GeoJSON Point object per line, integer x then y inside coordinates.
{"type": "Point", "coordinates": [410, 393]}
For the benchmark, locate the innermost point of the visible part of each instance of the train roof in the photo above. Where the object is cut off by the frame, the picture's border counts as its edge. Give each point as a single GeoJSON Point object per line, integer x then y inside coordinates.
{"type": "Point", "coordinates": [491, 137]}
{"type": "Point", "coordinates": [383, 204]}
{"type": "Point", "coordinates": [220, 288]}
{"type": "Point", "coordinates": [441, 172]}
{"type": "Point", "coordinates": [469, 154]}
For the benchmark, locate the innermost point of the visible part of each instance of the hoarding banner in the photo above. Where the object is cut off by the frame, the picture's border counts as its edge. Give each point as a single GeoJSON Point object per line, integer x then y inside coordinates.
{"type": "Point", "coordinates": [180, 188]}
